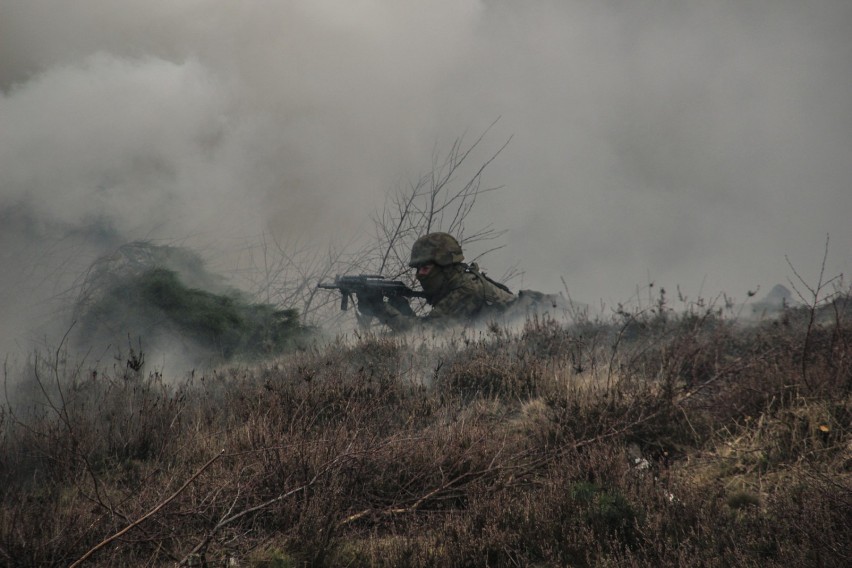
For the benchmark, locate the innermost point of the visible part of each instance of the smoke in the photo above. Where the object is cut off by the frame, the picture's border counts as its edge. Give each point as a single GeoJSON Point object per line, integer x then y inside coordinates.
{"type": "Point", "coordinates": [686, 143]}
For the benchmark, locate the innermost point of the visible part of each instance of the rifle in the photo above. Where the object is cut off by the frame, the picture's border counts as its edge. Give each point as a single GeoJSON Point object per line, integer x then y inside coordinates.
{"type": "Point", "coordinates": [370, 284]}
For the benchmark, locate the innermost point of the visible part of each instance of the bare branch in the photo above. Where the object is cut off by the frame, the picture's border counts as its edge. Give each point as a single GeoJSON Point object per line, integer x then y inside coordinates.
{"type": "Point", "coordinates": [151, 513]}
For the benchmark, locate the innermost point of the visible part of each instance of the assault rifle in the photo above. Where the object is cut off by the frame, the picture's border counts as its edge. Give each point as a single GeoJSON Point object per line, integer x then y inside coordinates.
{"type": "Point", "coordinates": [372, 284]}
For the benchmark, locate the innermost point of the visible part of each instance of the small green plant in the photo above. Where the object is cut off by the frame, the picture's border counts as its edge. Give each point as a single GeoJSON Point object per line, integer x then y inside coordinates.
{"type": "Point", "coordinates": [606, 510]}
{"type": "Point", "coordinates": [743, 499]}
{"type": "Point", "coordinates": [272, 558]}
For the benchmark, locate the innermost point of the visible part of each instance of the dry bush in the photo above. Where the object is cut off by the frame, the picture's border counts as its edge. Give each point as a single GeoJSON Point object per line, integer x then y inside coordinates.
{"type": "Point", "coordinates": [490, 369]}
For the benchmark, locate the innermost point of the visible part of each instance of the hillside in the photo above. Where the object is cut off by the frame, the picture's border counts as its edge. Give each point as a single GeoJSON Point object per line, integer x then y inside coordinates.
{"type": "Point", "coordinates": [642, 441]}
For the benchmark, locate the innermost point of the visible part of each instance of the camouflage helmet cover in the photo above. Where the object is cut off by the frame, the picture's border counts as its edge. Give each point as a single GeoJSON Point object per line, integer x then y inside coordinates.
{"type": "Point", "coordinates": [439, 248]}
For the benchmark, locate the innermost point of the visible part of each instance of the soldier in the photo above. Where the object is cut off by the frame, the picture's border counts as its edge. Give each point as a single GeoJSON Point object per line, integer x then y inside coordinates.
{"type": "Point", "coordinates": [458, 293]}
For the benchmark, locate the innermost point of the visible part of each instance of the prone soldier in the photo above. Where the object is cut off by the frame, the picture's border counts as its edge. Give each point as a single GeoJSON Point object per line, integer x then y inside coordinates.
{"type": "Point", "coordinates": [458, 293]}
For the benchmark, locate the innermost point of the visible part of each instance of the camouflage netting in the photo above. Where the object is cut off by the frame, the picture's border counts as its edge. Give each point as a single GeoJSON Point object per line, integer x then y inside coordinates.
{"type": "Point", "coordinates": [163, 296]}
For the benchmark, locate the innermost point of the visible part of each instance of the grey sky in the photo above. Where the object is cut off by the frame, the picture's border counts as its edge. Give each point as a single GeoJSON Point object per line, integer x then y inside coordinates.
{"type": "Point", "coordinates": [692, 143]}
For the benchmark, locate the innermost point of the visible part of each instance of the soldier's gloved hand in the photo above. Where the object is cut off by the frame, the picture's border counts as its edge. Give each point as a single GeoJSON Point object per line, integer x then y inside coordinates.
{"type": "Point", "coordinates": [401, 304]}
{"type": "Point", "coordinates": [370, 304]}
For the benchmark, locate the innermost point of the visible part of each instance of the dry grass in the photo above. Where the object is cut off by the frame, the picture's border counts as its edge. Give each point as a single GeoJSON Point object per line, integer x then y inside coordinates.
{"type": "Point", "coordinates": [683, 442]}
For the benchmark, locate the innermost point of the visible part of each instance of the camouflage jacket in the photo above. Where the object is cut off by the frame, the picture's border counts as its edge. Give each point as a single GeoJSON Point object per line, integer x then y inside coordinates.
{"type": "Point", "coordinates": [468, 296]}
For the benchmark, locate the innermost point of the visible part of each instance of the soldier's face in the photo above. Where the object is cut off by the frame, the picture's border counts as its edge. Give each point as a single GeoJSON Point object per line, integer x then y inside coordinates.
{"type": "Point", "coordinates": [424, 270]}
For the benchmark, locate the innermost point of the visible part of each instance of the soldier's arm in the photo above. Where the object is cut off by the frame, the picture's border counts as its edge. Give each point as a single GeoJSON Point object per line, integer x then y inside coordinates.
{"type": "Point", "coordinates": [398, 321]}
{"type": "Point", "coordinates": [395, 313]}
{"type": "Point", "coordinates": [461, 304]}
{"type": "Point", "coordinates": [441, 316]}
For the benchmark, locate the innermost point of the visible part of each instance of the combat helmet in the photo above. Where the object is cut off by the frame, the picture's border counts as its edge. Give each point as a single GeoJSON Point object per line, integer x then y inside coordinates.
{"type": "Point", "coordinates": [439, 248]}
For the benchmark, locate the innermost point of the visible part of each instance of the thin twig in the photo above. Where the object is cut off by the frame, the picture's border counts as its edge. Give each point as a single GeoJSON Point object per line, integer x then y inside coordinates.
{"type": "Point", "coordinates": [151, 513]}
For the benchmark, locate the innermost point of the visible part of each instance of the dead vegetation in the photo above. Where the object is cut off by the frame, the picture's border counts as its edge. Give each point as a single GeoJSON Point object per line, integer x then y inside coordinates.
{"type": "Point", "coordinates": [682, 440]}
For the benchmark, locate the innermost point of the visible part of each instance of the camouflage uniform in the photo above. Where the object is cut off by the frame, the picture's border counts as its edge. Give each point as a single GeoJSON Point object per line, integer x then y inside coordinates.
{"type": "Point", "coordinates": [458, 293]}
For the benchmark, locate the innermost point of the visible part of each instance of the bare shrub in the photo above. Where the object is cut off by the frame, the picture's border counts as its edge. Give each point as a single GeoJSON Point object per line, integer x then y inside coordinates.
{"type": "Point", "coordinates": [441, 199]}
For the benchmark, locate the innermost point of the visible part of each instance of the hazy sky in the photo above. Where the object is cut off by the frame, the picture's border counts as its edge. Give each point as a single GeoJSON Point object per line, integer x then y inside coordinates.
{"type": "Point", "coordinates": [692, 143]}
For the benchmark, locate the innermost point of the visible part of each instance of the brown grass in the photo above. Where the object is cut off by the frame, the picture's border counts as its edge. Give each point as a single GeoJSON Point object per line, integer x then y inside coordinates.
{"type": "Point", "coordinates": [642, 442]}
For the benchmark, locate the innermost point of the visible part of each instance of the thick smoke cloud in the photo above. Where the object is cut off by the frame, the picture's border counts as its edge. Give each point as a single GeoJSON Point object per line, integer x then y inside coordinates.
{"type": "Point", "coordinates": [686, 143]}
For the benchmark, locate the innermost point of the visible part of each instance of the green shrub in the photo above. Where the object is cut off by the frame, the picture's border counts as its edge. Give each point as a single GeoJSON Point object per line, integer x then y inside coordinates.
{"type": "Point", "coordinates": [156, 302]}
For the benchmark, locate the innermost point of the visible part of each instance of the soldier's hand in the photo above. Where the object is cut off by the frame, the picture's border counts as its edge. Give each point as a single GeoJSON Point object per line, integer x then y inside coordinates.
{"type": "Point", "coordinates": [401, 304]}
{"type": "Point", "coordinates": [370, 303]}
